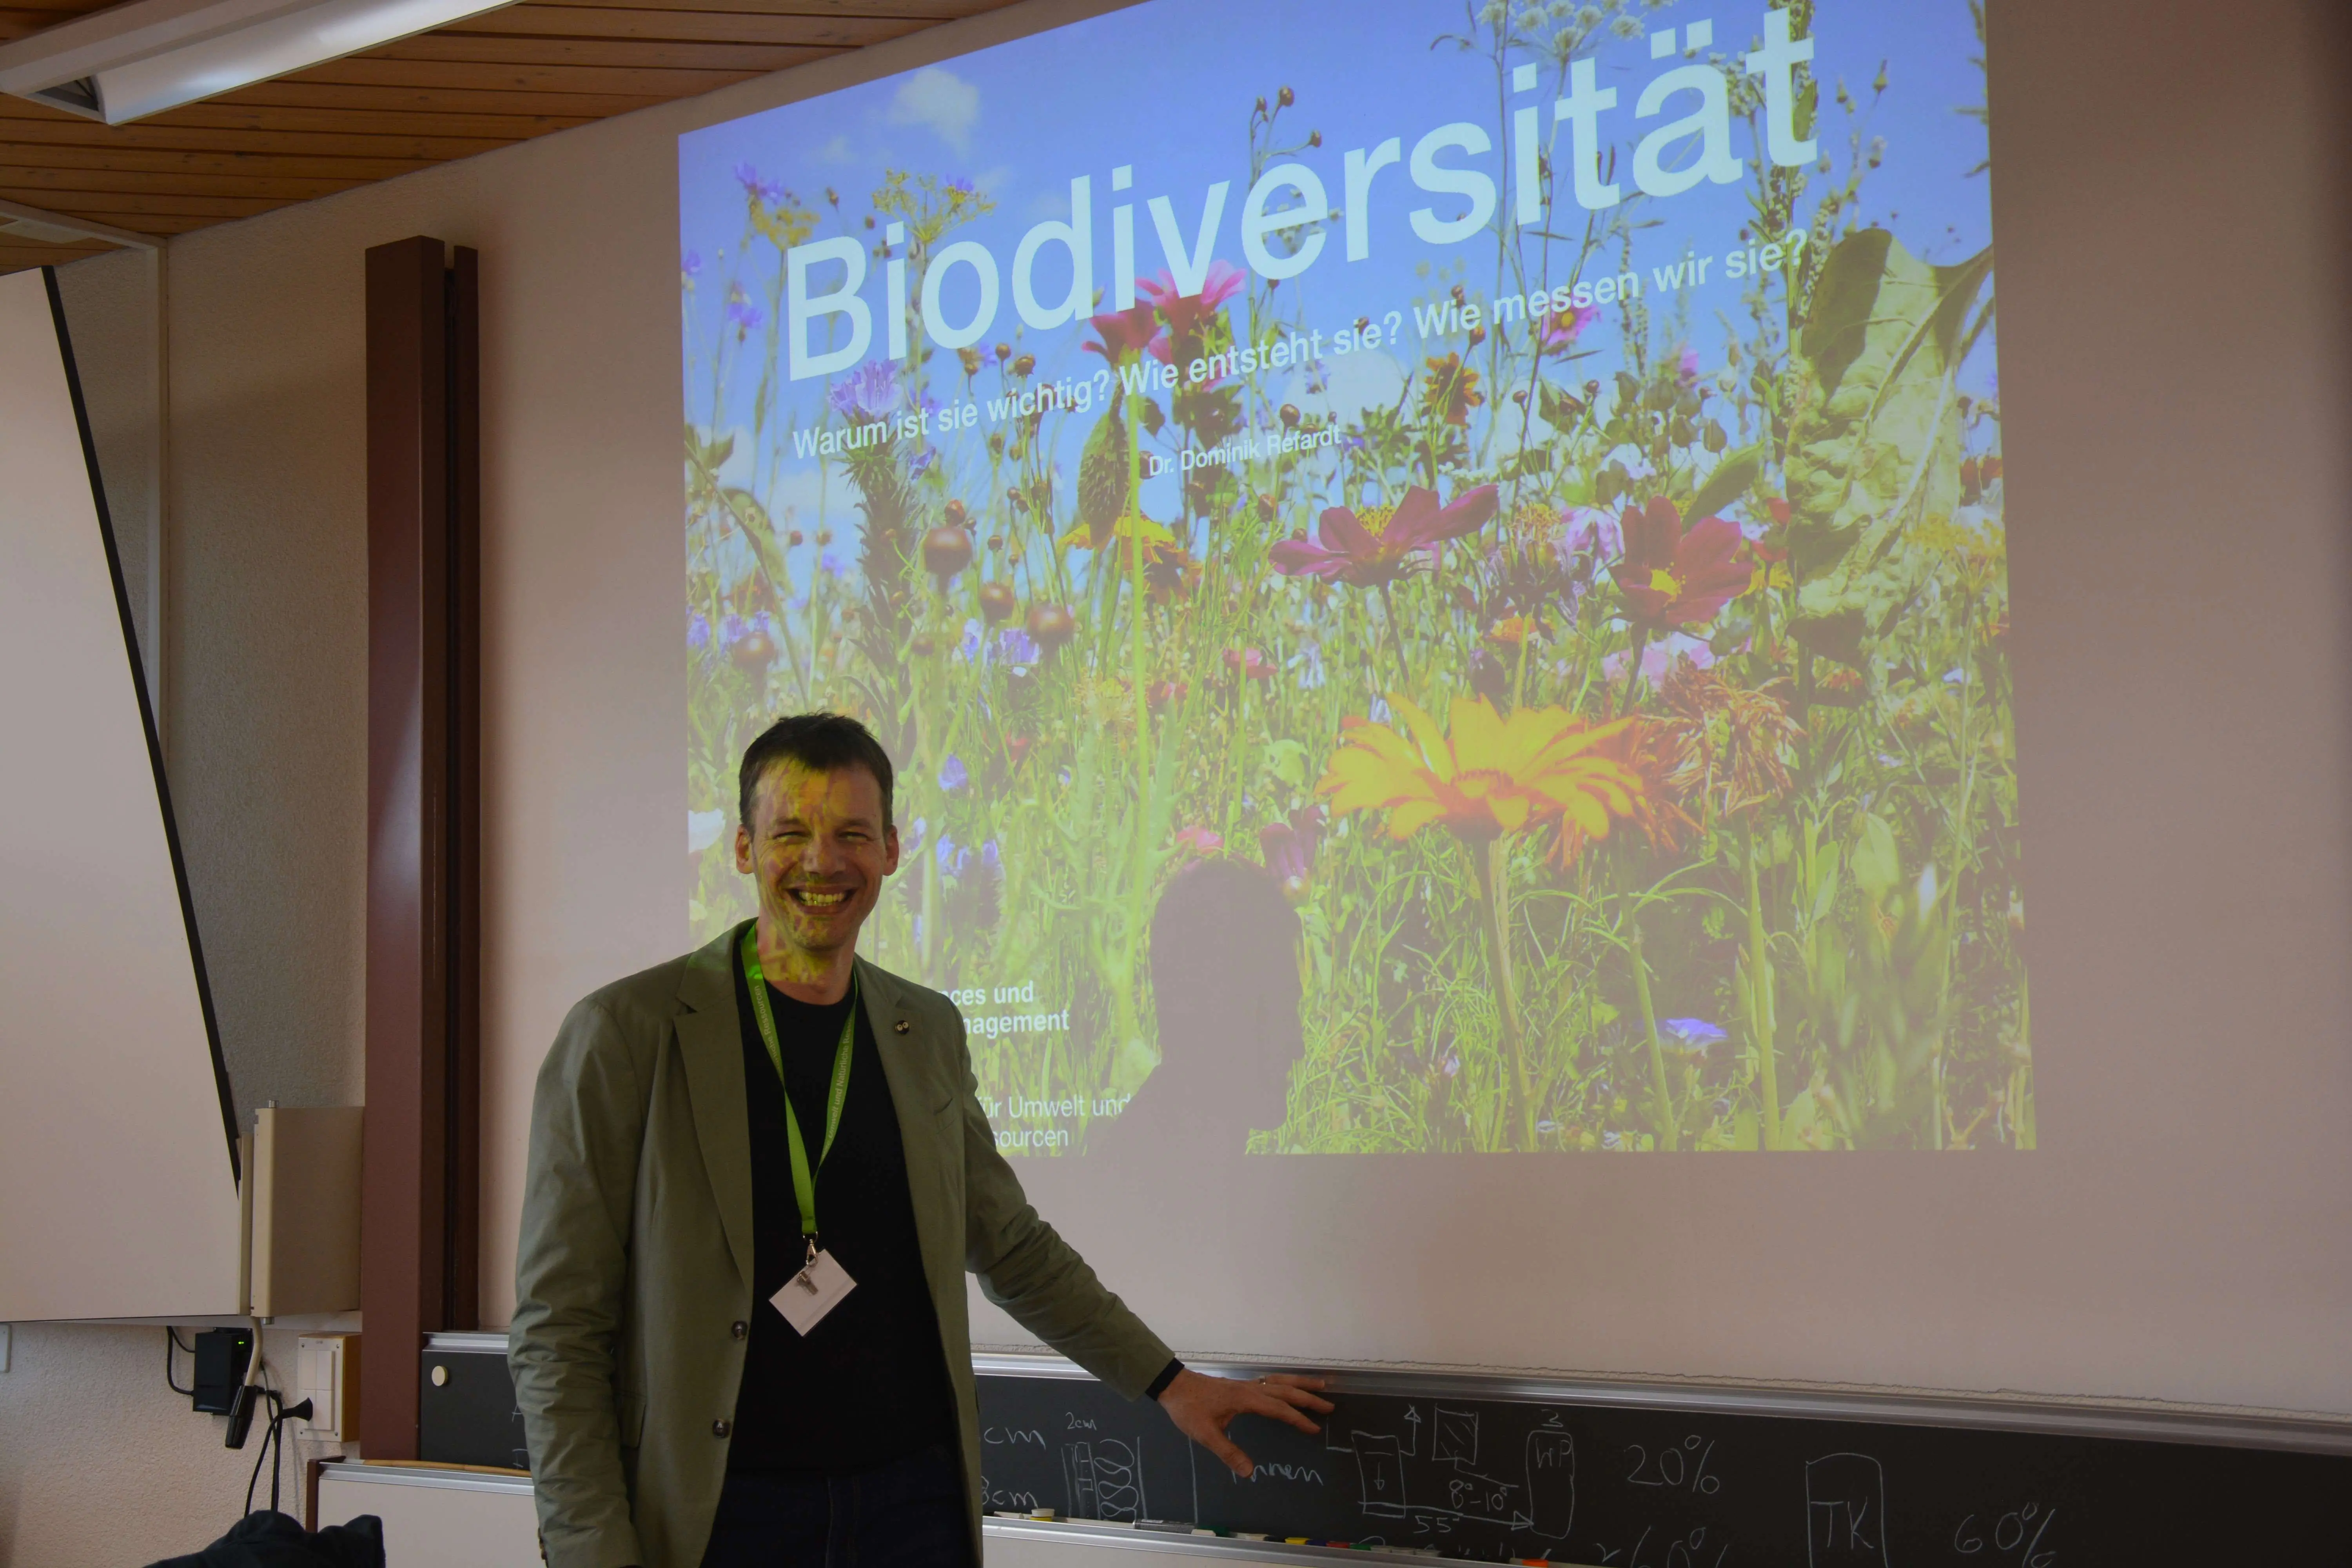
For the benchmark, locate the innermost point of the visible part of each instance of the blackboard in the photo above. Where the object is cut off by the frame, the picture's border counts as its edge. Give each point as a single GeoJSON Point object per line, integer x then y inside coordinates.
{"type": "Point", "coordinates": [1494, 1478]}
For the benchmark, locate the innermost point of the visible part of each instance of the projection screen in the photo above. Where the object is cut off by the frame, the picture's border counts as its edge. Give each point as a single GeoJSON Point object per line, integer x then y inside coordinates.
{"type": "Point", "coordinates": [1434, 587]}
{"type": "Point", "coordinates": [117, 1182]}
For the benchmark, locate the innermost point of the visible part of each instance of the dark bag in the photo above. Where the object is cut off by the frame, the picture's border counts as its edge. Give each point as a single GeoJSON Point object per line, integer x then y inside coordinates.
{"type": "Point", "coordinates": [271, 1539]}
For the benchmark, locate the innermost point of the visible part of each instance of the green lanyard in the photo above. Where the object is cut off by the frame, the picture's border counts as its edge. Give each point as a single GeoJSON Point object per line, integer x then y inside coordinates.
{"type": "Point", "coordinates": [803, 1184]}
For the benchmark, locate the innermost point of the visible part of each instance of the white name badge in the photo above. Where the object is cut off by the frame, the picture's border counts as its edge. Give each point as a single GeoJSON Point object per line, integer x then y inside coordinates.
{"type": "Point", "coordinates": [815, 1291]}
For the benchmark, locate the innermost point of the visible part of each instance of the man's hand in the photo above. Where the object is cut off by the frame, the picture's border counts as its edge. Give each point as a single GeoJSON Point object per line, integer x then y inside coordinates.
{"type": "Point", "coordinates": [1202, 1407]}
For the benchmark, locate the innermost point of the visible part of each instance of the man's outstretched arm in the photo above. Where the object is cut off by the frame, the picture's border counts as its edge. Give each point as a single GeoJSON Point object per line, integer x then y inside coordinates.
{"type": "Point", "coordinates": [1025, 1267]}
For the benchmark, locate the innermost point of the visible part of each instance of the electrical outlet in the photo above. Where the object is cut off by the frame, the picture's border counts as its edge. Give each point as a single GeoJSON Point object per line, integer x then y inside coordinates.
{"type": "Point", "coordinates": [327, 1374]}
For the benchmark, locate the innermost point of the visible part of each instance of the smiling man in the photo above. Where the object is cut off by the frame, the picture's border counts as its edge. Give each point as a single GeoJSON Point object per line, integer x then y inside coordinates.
{"type": "Point", "coordinates": [757, 1176]}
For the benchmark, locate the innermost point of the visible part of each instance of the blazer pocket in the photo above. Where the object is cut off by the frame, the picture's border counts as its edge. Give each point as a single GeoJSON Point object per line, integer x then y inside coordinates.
{"type": "Point", "coordinates": [631, 1409]}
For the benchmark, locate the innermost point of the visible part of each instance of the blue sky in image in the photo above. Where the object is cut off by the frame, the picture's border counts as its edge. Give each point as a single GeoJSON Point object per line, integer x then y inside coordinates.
{"type": "Point", "coordinates": [1168, 87]}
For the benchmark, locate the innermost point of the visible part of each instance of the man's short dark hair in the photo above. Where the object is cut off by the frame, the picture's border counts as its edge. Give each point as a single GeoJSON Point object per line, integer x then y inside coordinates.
{"type": "Point", "coordinates": [822, 742]}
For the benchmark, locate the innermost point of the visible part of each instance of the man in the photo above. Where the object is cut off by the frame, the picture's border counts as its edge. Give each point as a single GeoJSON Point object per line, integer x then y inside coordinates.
{"type": "Point", "coordinates": [733, 1345]}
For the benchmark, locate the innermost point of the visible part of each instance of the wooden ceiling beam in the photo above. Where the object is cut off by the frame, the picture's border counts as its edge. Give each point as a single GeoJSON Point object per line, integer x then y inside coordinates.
{"type": "Point", "coordinates": [626, 54]}
{"type": "Point", "coordinates": [336, 98]}
{"type": "Point", "coordinates": [138, 161]}
{"type": "Point", "coordinates": [703, 27]}
{"type": "Point", "coordinates": [656, 86]}
{"type": "Point", "coordinates": [373, 122]}
{"type": "Point", "coordinates": [149, 136]}
{"type": "Point", "coordinates": [926, 11]}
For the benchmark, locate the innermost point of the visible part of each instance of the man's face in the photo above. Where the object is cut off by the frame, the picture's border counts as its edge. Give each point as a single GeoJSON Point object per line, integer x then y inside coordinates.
{"type": "Point", "coordinates": [819, 848]}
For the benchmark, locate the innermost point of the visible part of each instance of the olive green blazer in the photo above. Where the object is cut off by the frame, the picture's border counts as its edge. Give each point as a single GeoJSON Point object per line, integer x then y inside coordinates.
{"type": "Point", "coordinates": [633, 1279]}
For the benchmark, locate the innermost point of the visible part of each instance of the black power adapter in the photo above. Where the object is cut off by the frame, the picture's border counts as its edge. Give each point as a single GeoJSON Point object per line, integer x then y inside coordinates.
{"type": "Point", "coordinates": [222, 1356]}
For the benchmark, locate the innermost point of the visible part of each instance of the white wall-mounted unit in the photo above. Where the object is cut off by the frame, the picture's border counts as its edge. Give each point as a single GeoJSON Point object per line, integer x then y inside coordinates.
{"type": "Point", "coordinates": [117, 1182]}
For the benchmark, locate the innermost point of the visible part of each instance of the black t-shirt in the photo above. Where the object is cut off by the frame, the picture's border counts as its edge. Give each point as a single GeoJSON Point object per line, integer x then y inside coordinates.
{"type": "Point", "coordinates": [868, 1384]}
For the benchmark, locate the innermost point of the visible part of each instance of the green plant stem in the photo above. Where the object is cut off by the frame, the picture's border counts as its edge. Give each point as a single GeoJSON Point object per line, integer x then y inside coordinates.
{"type": "Point", "coordinates": [1633, 667]}
{"type": "Point", "coordinates": [1665, 1108]}
{"type": "Point", "coordinates": [1487, 861]}
{"type": "Point", "coordinates": [1396, 639]}
{"type": "Point", "coordinates": [1760, 1001]}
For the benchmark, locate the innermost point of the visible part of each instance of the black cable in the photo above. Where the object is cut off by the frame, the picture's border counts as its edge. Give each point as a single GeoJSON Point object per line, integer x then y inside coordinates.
{"type": "Point", "coordinates": [267, 1438]}
{"type": "Point", "coordinates": [171, 1342]}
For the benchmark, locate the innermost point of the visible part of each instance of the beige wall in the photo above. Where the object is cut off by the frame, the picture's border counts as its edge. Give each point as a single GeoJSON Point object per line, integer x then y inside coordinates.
{"type": "Point", "coordinates": [2173, 333]}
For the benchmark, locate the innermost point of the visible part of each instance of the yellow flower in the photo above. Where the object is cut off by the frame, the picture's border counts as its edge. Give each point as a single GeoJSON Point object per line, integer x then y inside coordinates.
{"type": "Point", "coordinates": [1491, 776]}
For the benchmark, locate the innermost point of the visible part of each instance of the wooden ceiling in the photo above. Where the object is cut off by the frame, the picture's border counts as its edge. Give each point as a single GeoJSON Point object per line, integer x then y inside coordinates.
{"type": "Point", "coordinates": [502, 77]}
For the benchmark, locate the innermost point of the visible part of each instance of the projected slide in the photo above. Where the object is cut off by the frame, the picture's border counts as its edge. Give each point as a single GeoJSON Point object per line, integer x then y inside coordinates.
{"type": "Point", "coordinates": [1494, 510]}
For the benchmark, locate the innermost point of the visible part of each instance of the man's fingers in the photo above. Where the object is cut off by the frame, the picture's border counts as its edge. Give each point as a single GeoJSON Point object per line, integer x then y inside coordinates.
{"type": "Point", "coordinates": [1217, 1443]}
{"type": "Point", "coordinates": [1295, 1392]}
{"type": "Point", "coordinates": [1265, 1402]}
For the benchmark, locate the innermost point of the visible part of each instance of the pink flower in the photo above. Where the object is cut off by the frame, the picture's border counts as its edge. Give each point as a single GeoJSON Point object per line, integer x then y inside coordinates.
{"type": "Point", "coordinates": [1127, 333]}
{"type": "Point", "coordinates": [1366, 551]}
{"type": "Point", "coordinates": [1186, 315]}
{"type": "Point", "coordinates": [1249, 663]}
{"type": "Point", "coordinates": [1199, 840]}
{"type": "Point", "coordinates": [1592, 531]}
{"type": "Point", "coordinates": [1673, 577]}
{"type": "Point", "coordinates": [1559, 329]}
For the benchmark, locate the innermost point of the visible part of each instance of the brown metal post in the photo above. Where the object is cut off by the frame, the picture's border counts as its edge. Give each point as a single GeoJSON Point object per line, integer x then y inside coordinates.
{"type": "Point", "coordinates": [418, 1188]}
{"type": "Point", "coordinates": [462, 1289]}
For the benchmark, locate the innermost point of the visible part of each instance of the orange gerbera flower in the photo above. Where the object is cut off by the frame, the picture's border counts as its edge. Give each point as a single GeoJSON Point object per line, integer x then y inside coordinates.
{"type": "Point", "coordinates": [1489, 777]}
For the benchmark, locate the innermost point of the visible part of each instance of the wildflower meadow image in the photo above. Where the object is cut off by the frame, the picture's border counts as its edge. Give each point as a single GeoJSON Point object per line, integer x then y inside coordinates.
{"type": "Point", "coordinates": [1525, 478]}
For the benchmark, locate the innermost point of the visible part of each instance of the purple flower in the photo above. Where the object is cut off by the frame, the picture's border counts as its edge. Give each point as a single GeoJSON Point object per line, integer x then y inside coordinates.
{"type": "Point", "coordinates": [953, 774]}
{"type": "Point", "coordinates": [732, 630]}
{"type": "Point", "coordinates": [923, 459]}
{"type": "Point", "coordinates": [968, 648]}
{"type": "Point", "coordinates": [1686, 366]}
{"type": "Point", "coordinates": [912, 840]}
{"type": "Point", "coordinates": [741, 314]}
{"type": "Point", "coordinates": [698, 631]}
{"type": "Point", "coordinates": [1288, 846]}
{"type": "Point", "coordinates": [954, 858]}
{"type": "Point", "coordinates": [1694, 1036]}
{"type": "Point", "coordinates": [690, 264]}
{"type": "Point", "coordinates": [868, 393]}
{"type": "Point", "coordinates": [832, 565]}
{"type": "Point", "coordinates": [1016, 646]}
{"type": "Point", "coordinates": [768, 191]}
{"type": "Point", "coordinates": [961, 185]}
{"type": "Point", "coordinates": [991, 857]}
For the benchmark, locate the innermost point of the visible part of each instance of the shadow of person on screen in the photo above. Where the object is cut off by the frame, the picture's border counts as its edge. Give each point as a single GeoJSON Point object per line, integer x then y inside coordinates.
{"type": "Point", "coordinates": [1225, 987]}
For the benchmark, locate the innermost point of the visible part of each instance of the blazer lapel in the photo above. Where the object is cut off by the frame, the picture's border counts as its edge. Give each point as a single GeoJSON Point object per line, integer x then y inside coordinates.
{"type": "Point", "coordinates": [711, 1044]}
{"type": "Point", "coordinates": [924, 1102]}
